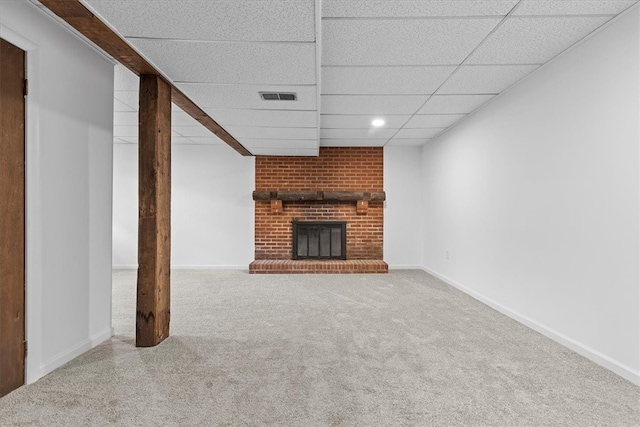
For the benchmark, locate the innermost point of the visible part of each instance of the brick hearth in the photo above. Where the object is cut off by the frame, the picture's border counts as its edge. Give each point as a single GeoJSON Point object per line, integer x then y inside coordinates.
{"type": "Point", "coordinates": [337, 169]}
{"type": "Point", "coordinates": [272, 266]}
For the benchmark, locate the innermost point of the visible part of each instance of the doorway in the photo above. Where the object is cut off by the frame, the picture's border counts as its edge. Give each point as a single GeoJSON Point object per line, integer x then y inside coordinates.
{"type": "Point", "coordinates": [12, 217]}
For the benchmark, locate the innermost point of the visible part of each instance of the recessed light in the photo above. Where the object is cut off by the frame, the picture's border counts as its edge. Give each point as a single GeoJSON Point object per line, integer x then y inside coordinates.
{"type": "Point", "coordinates": [377, 123]}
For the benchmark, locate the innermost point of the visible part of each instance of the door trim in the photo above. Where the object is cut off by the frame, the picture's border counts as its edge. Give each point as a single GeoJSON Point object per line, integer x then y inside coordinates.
{"type": "Point", "coordinates": [33, 213]}
{"type": "Point", "coordinates": [14, 223]}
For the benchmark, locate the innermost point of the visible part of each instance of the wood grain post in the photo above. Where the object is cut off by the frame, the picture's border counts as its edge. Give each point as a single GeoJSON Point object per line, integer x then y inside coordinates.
{"type": "Point", "coordinates": [154, 212]}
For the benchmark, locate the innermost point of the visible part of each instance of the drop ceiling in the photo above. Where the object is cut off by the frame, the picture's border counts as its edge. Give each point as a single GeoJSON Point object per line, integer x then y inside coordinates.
{"type": "Point", "coordinates": [422, 66]}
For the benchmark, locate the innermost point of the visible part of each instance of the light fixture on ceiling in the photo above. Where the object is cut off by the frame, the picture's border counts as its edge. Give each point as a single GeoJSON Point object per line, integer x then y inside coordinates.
{"type": "Point", "coordinates": [376, 123]}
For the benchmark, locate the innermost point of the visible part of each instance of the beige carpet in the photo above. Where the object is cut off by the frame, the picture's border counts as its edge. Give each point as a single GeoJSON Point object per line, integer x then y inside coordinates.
{"type": "Point", "coordinates": [316, 350]}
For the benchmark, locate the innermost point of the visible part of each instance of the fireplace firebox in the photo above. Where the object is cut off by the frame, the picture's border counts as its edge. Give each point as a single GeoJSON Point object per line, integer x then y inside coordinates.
{"type": "Point", "coordinates": [319, 239]}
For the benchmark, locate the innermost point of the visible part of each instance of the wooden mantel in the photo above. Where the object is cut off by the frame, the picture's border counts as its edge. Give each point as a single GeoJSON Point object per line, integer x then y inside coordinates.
{"type": "Point", "coordinates": [361, 198]}
{"type": "Point", "coordinates": [319, 196]}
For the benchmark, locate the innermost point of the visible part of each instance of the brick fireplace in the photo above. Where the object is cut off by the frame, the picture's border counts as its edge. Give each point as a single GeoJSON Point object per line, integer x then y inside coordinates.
{"type": "Point", "coordinates": [342, 184]}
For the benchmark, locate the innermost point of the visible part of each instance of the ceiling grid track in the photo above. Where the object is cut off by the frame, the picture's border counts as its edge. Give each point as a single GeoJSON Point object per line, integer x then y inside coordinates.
{"type": "Point", "coordinates": [318, 22]}
{"type": "Point", "coordinates": [458, 68]}
{"type": "Point", "coordinates": [85, 22]}
{"type": "Point", "coordinates": [421, 66]}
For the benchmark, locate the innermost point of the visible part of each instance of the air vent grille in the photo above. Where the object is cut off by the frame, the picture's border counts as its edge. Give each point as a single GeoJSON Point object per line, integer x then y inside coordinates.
{"type": "Point", "coordinates": [279, 96]}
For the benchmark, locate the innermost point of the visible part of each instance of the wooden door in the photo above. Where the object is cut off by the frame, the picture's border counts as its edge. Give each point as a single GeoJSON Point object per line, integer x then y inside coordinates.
{"type": "Point", "coordinates": [12, 217]}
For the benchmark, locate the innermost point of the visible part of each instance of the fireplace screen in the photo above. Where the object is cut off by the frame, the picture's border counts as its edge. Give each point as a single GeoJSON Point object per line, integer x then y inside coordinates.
{"type": "Point", "coordinates": [319, 240]}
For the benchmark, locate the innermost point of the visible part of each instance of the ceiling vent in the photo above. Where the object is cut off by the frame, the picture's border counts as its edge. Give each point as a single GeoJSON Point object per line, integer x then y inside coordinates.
{"type": "Point", "coordinates": [279, 96]}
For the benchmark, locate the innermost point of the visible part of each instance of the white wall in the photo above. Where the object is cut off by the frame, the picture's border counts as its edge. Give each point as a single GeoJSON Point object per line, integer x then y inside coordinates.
{"type": "Point", "coordinates": [402, 214]}
{"type": "Point", "coordinates": [536, 198]}
{"type": "Point", "coordinates": [212, 212]}
{"type": "Point", "coordinates": [69, 164]}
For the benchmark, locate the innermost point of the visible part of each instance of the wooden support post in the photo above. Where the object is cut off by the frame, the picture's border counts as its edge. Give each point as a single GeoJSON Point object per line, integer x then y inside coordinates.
{"type": "Point", "coordinates": [154, 214]}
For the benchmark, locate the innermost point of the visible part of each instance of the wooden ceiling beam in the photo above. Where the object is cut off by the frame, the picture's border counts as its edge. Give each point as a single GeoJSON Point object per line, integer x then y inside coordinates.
{"type": "Point", "coordinates": [86, 23]}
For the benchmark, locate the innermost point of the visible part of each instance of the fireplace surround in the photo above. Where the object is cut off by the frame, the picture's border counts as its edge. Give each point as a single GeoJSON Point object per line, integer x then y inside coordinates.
{"type": "Point", "coordinates": [342, 184]}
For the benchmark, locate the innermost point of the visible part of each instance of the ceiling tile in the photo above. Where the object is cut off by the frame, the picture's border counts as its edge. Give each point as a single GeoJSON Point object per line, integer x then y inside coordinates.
{"type": "Point", "coordinates": [232, 63]}
{"type": "Point", "coordinates": [119, 106]}
{"type": "Point", "coordinates": [433, 120]}
{"type": "Point", "coordinates": [175, 139]}
{"type": "Point", "coordinates": [181, 140]}
{"type": "Point", "coordinates": [380, 59]}
{"type": "Point", "coordinates": [130, 118]}
{"type": "Point", "coordinates": [371, 104]}
{"type": "Point", "coordinates": [402, 42]}
{"type": "Point", "coordinates": [445, 104]}
{"type": "Point", "coordinates": [379, 133]}
{"type": "Point", "coordinates": [271, 118]}
{"type": "Point", "coordinates": [131, 99]}
{"type": "Point", "coordinates": [306, 144]}
{"type": "Point", "coordinates": [352, 142]}
{"type": "Point", "coordinates": [414, 8]}
{"type": "Point", "coordinates": [128, 97]}
{"type": "Point", "coordinates": [572, 7]}
{"type": "Point", "coordinates": [248, 96]}
{"type": "Point", "coordinates": [189, 131]}
{"type": "Point", "coordinates": [533, 40]}
{"type": "Point", "coordinates": [212, 140]}
{"type": "Point", "coordinates": [245, 20]}
{"type": "Point", "coordinates": [125, 131]}
{"type": "Point", "coordinates": [125, 118]}
{"type": "Point", "coordinates": [288, 152]}
{"type": "Point", "coordinates": [418, 133]}
{"type": "Point", "coordinates": [129, 139]}
{"type": "Point", "coordinates": [180, 118]}
{"type": "Point", "coordinates": [272, 133]}
{"type": "Point", "coordinates": [130, 133]}
{"type": "Point", "coordinates": [476, 79]}
{"type": "Point", "coordinates": [407, 142]}
{"type": "Point", "coordinates": [330, 121]}
{"type": "Point", "coordinates": [124, 79]}
{"type": "Point", "coordinates": [383, 80]}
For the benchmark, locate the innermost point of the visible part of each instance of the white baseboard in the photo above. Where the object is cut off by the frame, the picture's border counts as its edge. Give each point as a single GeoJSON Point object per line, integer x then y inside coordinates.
{"type": "Point", "coordinates": [584, 350]}
{"type": "Point", "coordinates": [71, 354]}
{"type": "Point", "coordinates": [101, 337]}
{"type": "Point", "coordinates": [405, 267]}
{"type": "Point", "coordinates": [211, 267]}
{"type": "Point", "coordinates": [192, 267]}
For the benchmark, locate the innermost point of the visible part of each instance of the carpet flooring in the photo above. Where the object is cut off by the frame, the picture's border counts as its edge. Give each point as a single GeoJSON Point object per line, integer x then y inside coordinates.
{"type": "Point", "coordinates": [402, 349]}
